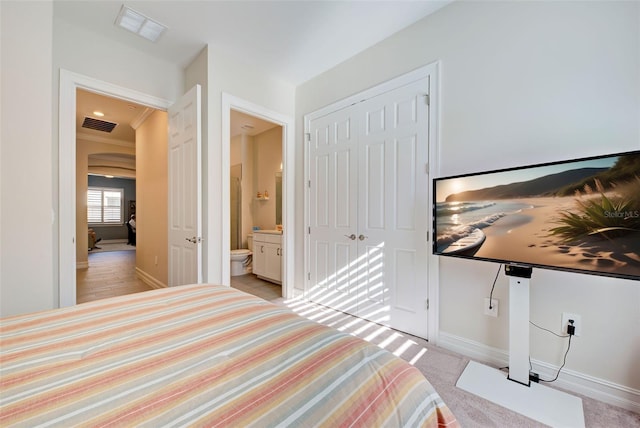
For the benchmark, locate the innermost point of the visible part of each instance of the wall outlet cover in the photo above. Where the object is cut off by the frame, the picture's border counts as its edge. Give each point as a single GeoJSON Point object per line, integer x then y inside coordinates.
{"type": "Point", "coordinates": [493, 312]}
{"type": "Point", "coordinates": [577, 323]}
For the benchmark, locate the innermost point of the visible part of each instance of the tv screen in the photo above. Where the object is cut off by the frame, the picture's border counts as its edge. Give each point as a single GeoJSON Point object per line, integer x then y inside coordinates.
{"type": "Point", "coordinates": [581, 215]}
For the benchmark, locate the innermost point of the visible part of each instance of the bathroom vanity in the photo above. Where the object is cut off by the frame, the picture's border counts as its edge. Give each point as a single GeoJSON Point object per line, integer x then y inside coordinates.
{"type": "Point", "coordinates": [267, 255]}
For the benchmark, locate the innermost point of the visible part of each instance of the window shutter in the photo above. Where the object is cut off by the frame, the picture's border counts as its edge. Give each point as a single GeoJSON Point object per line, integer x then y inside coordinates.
{"type": "Point", "coordinates": [104, 205]}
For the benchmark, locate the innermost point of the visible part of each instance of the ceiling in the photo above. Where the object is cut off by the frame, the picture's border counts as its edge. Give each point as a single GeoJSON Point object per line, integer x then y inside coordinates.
{"type": "Point", "coordinates": [290, 40]}
{"type": "Point", "coordinates": [242, 123]}
{"type": "Point", "coordinates": [123, 113]}
{"type": "Point", "coordinates": [293, 41]}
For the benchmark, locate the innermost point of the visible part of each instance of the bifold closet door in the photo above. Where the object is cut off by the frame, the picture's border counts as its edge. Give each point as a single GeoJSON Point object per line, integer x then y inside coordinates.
{"type": "Point", "coordinates": [333, 157]}
{"type": "Point", "coordinates": [368, 209]}
{"type": "Point", "coordinates": [393, 209]}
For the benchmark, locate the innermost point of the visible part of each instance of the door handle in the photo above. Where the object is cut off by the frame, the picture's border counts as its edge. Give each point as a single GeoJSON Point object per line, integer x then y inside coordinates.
{"type": "Point", "coordinates": [362, 237]}
{"type": "Point", "coordinates": [352, 236]}
{"type": "Point", "coordinates": [194, 240]}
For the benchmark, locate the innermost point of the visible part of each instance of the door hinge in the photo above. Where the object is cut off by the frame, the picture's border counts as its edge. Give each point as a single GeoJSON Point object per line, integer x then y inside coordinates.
{"type": "Point", "coordinates": [427, 236]}
{"type": "Point", "coordinates": [309, 184]}
{"type": "Point", "coordinates": [309, 276]}
{"type": "Point", "coordinates": [427, 99]}
{"type": "Point", "coordinates": [426, 167]}
{"type": "Point", "coordinates": [309, 230]}
{"type": "Point", "coordinates": [307, 136]}
{"type": "Point", "coordinates": [426, 304]}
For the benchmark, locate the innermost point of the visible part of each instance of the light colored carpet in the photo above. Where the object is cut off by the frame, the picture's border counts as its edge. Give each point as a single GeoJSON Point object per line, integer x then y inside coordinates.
{"type": "Point", "coordinates": [443, 368]}
{"type": "Point", "coordinates": [105, 246]}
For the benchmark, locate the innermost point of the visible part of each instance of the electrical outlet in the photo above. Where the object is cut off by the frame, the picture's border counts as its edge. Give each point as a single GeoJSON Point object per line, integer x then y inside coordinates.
{"type": "Point", "coordinates": [493, 312]}
{"type": "Point", "coordinates": [577, 323]}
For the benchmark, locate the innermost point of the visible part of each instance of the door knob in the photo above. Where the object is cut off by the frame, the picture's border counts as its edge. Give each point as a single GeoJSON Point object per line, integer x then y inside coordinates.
{"type": "Point", "coordinates": [362, 237]}
{"type": "Point", "coordinates": [352, 236]}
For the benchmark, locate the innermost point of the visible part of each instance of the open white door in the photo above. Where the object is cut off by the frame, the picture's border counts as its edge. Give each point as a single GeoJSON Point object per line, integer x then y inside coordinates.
{"type": "Point", "coordinates": [185, 189]}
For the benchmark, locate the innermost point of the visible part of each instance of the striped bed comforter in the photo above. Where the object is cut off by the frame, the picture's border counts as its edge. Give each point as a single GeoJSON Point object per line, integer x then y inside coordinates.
{"type": "Point", "coordinates": [201, 355]}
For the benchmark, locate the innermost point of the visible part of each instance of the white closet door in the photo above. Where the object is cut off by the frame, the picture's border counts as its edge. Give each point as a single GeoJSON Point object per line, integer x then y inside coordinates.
{"type": "Point", "coordinates": [333, 151]}
{"type": "Point", "coordinates": [368, 209]}
{"type": "Point", "coordinates": [393, 209]}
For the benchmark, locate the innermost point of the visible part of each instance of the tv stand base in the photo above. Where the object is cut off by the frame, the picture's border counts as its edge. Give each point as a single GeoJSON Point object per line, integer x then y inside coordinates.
{"type": "Point", "coordinates": [541, 403]}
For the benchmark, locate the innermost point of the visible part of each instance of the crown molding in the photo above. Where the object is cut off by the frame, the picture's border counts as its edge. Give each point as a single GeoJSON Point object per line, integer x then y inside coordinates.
{"type": "Point", "coordinates": [139, 120]}
{"type": "Point", "coordinates": [96, 139]}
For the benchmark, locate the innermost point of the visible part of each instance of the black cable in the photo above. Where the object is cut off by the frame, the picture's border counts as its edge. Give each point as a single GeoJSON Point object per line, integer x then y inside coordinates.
{"type": "Point", "coordinates": [565, 355]}
{"type": "Point", "coordinates": [563, 363]}
{"type": "Point", "coordinates": [545, 329]}
{"type": "Point", "coordinates": [494, 286]}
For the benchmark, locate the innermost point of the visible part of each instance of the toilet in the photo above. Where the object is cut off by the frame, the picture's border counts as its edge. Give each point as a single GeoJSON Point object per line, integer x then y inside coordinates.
{"type": "Point", "coordinates": [241, 259]}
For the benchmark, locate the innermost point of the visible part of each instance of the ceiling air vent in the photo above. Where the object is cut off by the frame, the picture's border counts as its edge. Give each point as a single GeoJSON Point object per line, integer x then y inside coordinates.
{"type": "Point", "coordinates": [98, 125]}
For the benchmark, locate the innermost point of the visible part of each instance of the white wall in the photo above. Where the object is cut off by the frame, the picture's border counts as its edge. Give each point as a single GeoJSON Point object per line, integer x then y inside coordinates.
{"type": "Point", "coordinates": [521, 83]}
{"type": "Point", "coordinates": [219, 73]}
{"type": "Point", "coordinates": [26, 235]}
{"type": "Point", "coordinates": [35, 45]}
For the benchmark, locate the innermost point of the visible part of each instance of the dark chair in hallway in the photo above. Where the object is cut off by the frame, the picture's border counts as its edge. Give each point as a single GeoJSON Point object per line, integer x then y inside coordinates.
{"type": "Point", "coordinates": [131, 236]}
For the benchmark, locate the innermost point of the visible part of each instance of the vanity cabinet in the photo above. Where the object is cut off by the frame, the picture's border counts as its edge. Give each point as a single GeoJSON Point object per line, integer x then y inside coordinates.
{"type": "Point", "coordinates": [267, 255]}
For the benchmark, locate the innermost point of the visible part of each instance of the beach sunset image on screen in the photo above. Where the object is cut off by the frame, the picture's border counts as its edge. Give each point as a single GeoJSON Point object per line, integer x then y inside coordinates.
{"type": "Point", "coordinates": [579, 215]}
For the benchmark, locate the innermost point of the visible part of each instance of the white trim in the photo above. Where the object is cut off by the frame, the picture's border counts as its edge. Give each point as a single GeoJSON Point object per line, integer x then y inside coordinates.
{"type": "Point", "coordinates": [69, 83]}
{"type": "Point", "coordinates": [230, 102]}
{"type": "Point", "coordinates": [97, 139]}
{"type": "Point", "coordinates": [433, 71]}
{"type": "Point", "coordinates": [139, 120]}
{"type": "Point", "coordinates": [389, 85]}
{"type": "Point", "coordinates": [569, 380]}
{"type": "Point", "coordinates": [430, 71]}
{"type": "Point", "coordinates": [149, 280]}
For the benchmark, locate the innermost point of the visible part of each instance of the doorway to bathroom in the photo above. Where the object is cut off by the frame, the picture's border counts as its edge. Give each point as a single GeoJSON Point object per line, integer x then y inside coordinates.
{"type": "Point", "coordinates": [255, 193]}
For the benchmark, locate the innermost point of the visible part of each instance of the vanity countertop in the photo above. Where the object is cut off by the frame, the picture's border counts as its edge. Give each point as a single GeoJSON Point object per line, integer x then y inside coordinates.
{"type": "Point", "coordinates": [268, 231]}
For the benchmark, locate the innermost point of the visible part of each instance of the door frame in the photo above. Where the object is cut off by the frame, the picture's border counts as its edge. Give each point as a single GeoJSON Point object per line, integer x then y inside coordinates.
{"type": "Point", "coordinates": [430, 71]}
{"type": "Point", "coordinates": [69, 83]}
{"type": "Point", "coordinates": [231, 102]}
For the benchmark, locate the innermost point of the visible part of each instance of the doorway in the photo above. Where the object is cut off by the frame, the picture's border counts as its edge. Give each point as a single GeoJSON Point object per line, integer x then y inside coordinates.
{"type": "Point", "coordinates": [255, 200]}
{"type": "Point", "coordinates": [70, 83]}
{"type": "Point", "coordinates": [106, 190]}
{"type": "Point", "coordinates": [230, 104]}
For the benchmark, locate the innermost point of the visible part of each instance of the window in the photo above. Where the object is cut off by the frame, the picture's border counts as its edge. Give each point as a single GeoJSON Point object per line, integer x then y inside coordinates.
{"type": "Point", "coordinates": [104, 205]}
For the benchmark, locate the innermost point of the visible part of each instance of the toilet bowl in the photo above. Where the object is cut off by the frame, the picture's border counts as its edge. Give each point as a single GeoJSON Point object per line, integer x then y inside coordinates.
{"type": "Point", "coordinates": [240, 262]}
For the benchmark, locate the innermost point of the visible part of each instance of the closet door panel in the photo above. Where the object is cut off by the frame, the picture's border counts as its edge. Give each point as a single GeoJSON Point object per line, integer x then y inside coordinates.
{"type": "Point", "coordinates": [393, 209]}
{"type": "Point", "coordinates": [404, 183]}
{"type": "Point", "coordinates": [373, 186]}
{"type": "Point", "coordinates": [333, 211]}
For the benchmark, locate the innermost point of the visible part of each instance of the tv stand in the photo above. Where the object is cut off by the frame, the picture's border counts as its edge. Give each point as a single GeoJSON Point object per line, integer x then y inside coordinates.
{"type": "Point", "coordinates": [515, 391]}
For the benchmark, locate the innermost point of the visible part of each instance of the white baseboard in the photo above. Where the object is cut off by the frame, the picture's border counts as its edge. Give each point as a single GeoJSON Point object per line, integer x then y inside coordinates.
{"type": "Point", "coordinates": [569, 380]}
{"type": "Point", "coordinates": [149, 280]}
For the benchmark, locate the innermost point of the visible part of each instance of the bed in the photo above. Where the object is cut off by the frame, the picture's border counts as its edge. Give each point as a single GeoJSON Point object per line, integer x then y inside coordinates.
{"type": "Point", "coordinates": [201, 355]}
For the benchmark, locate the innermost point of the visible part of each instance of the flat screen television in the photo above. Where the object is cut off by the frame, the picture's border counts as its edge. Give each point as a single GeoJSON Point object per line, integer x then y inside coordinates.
{"type": "Point", "coordinates": [581, 215]}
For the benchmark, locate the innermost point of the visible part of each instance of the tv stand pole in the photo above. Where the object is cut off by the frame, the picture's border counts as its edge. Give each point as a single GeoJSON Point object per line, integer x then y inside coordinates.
{"type": "Point", "coordinates": [518, 323]}
{"type": "Point", "coordinates": [515, 391]}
